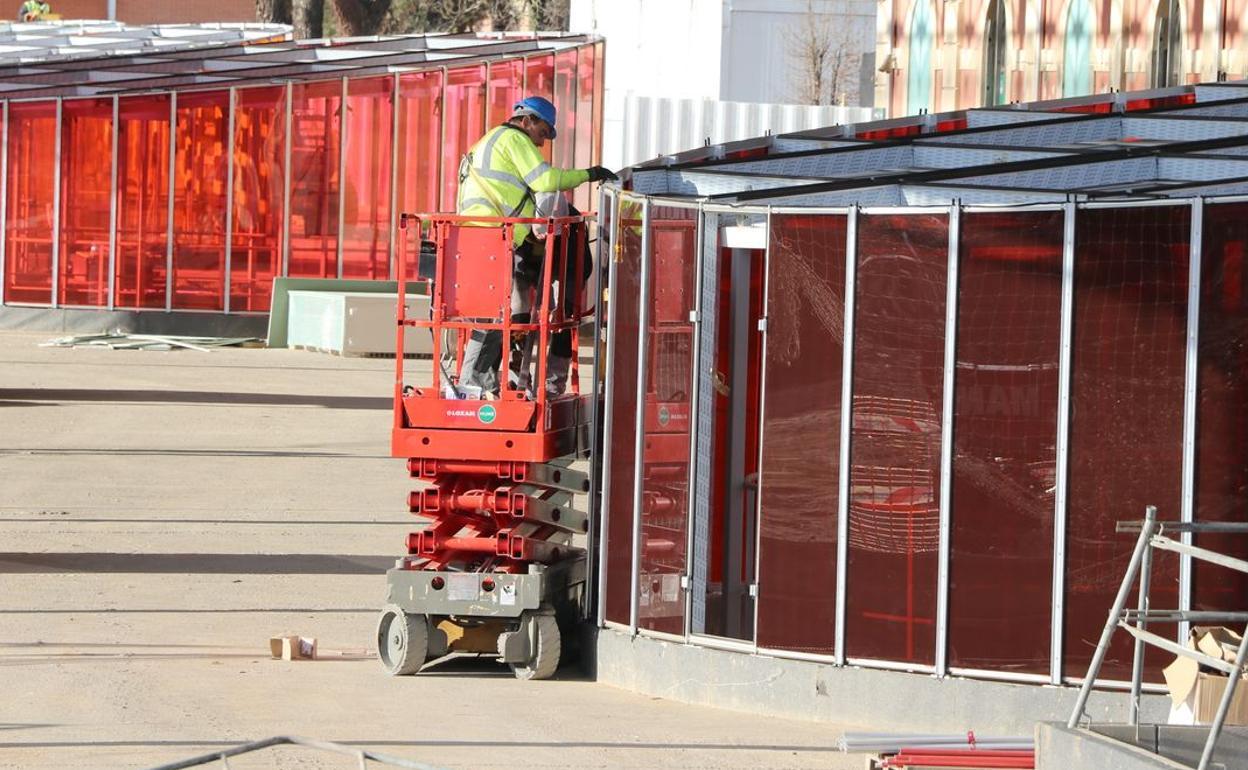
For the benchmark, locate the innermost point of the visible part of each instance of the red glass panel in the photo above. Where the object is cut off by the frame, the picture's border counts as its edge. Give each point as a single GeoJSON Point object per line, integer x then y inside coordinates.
{"type": "Point", "coordinates": [540, 81]}
{"type": "Point", "coordinates": [86, 181]}
{"type": "Point", "coordinates": [668, 421]}
{"type": "Point", "coordinates": [142, 202]}
{"type": "Point", "coordinates": [31, 192]}
{"type": "Point", "coordinates": [898, 382]}
{"type": "Point", "coordinates": [801, 440]}
{"type": "Point", "coordinates": [1222, 419]}
{"type": "Point", "coordinates": [1126, 429]}
{"type": "Point", "coordinates": [366, 199]}
{"type": "Point", "coordinates": [316, 109]}
{"type": "Point", "coordinates": [564, 147]}
{"type": "Point", "coordinates": [1005, 440]}
{"type": "Point", "coordinates": [420, 131]}
{"type": "Point", "coordinates": [585, 125]}
{"type": "Point", "coordinates": [200, 176]}
{"type": "Point", "coordinates": [599, 74]}
{"type": "Point", "coordinates": [621, 457]}
{"type": "Point", "coordinates": [465, 124]}
{"type": "Point", "coordinates": [259, 181]}
{"type": "Point", "coordinates": [506, 88]}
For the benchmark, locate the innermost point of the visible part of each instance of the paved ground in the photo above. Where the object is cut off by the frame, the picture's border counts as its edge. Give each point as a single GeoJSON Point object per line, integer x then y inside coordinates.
{"type": "Point", "coordinates": [164, 514]}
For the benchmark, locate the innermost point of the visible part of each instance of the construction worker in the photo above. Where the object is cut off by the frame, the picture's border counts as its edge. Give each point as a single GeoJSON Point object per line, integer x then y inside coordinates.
{"type": "Point", "coordinates": [502, 176]}
{"type": "Point", "coordinates": [33, 10]}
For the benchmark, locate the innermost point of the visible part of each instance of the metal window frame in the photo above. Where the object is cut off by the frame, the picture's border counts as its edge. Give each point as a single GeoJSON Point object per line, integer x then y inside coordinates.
{"type": "Point", "coordinates": [1191, 403]}
{"type": "Point", "coordinates": [393, 255]}
{"type": "Point", "coordinates": [56, 202]}
{"type": "Point", "coordinates": [946, 443]}
{"type": "Point", "coordinates": [445, 84]}
{"type": "Point", "coordinates": [1062, 479]}
{"type": "Point", "coordinates": [112, 205]}
{"type": "Point", "coordinates": [700, 233]}
{"type": "Point", "coordinates": [847, 398]}
{"type": "Point", "coordinates": [755, 584]}
{"type": "Point", "coordinates": [608, 411]}
{"type": "Point", "coordinates": [647, 244]}
{"type": "Point", "coordinates": [342, 171]}
{"type": "Point", "coordinates": [229, 200]}
{"type": "Point", "coordinates": [173, 179]}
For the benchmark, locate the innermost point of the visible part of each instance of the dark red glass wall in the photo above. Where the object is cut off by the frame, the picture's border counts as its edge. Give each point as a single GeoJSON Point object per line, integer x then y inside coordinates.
{"type": "Point", "coordinates": [259, 181]}
{"type": "Point", "coordinates": [86, 201]}
{"type": "Point", "coordinates": [1126, 426]}
{"type": "Point", "coordinates": [29, 213]}
{"type": "Point", "coordinates": [1005, 440]}
{"type": "Point", "coordinates": [201, 163]}
{"type": "Point", "coordinates": [667, 420]}
{"type": "Point", "coordinates": [801, 435]}
{"type": "Point", "coordinates": [141, 269]}
{"type": "Point", "coordinates": [898, 382]}
{"type": "Point", "coordinates": [366, 185]}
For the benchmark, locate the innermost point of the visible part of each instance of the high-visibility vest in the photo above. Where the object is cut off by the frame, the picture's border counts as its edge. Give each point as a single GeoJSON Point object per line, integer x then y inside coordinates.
{"type": "Point", "coordinates": [503, 170]}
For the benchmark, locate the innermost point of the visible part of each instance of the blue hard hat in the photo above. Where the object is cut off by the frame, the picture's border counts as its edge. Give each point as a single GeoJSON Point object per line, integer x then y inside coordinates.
{"type": "Point", "coordinates": [538, 107]}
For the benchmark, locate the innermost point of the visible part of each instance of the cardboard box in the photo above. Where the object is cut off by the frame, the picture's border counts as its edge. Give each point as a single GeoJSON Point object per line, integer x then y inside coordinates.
{"type": "Point", "coordinates": [1196, 694]}
{"type": "Point", "coordinates": [293, 647]}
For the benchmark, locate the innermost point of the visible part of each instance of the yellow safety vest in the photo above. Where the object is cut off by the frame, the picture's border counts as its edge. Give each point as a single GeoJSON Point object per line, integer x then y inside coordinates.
{"type": "Point", "coordinates": [499, 175]}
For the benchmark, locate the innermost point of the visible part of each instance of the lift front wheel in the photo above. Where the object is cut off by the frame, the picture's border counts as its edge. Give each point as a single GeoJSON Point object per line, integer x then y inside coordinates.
{"type": "Point", "coordinates": [545, 647]}
{"type": "Point", "coordinates": [402, 641]}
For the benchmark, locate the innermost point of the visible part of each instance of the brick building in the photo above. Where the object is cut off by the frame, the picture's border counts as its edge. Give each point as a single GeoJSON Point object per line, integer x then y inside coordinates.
{"type": "Point", "coordinates": [954, 54]}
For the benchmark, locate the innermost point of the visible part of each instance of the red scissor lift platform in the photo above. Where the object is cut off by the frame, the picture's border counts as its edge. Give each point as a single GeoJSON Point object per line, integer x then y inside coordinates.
{"type": "Point", "coordinates": [498, 568]}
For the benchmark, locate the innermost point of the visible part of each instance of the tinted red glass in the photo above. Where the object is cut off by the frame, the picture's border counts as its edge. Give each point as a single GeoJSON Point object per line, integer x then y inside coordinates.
{"type": "Point", "coordinates": [506, 88]}
{"type": "Point", "coordinates": [564, 147]}
{"type": "Point", "coordinates": [86, 195]}
{"type": "Point", "coordinates": [316, 110]}
{"type": "Point", "coordinates": [621, 453]}
{"type": "Point", "coordinates": [464, 103]}
{"type": "Point", "coordinates": [583, 155]}
{"type": "Point", "coordinates": [599, 75]}
{"type": "Point", "coordinates": [259, 181]}
{"type": "Point", "coordinates": [667, 420]}
{"type": "Point", "coordinates": [366, 194]}
{"type": "Point", "coordinates": [1222, 419]}
{"type": "Point", "coordinates": [1126, 423]}
{"type": "Point", "coordinates": [898, 382]}
{"type": "Point", "coordinates": [540, 81]}
{"type": "Point", "coordinates": [142, 202]}
{"type": "Point", "coordinates": [801, 442]}
{"type": "Point", "coordinates": [31, 192]}
{"type": "Point", "coordinates": [1005, 434]}
{"type": "Point", "coordinates": [200, 178]}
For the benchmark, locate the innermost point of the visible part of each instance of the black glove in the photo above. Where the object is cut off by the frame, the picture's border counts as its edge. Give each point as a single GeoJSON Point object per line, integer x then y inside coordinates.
{"type": "Point", "coordinates": [602, 173]}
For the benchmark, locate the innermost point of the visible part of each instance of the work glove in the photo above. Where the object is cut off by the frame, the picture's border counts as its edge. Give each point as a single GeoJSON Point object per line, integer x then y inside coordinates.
{"type": "Point", "coordinates": [602, 173]}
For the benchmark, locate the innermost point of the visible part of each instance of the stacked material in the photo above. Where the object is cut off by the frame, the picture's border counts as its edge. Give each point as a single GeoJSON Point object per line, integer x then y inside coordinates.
{"type": "Point", "coordinates": [924, 750]}
{"type": "Point", "coordinates": [119, 341]}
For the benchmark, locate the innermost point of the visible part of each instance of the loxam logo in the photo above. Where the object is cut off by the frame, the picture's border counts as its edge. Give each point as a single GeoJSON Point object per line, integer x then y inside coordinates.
{"type": "Point", "coordinates": [460, 413]}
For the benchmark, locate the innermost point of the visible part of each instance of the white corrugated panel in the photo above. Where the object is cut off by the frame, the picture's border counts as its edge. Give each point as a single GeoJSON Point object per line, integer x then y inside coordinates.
{"type": "Point", "coordinates": [654, 126]}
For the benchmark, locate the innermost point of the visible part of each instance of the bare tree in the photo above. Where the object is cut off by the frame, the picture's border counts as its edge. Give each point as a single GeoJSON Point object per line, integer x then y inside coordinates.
{"type": "Point", "coordinates": [360, 17]}
{"type": "Point", "coordinates": [823, 58]}
{"type": "Point", "coordinates": [309, 18]}
{"type": "Point", "coordinates": [273, 11]}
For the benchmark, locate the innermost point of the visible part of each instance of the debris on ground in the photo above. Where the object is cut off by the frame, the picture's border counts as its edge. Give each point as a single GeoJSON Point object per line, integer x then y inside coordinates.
{"type": "Point", "coordinates": [121, 341]}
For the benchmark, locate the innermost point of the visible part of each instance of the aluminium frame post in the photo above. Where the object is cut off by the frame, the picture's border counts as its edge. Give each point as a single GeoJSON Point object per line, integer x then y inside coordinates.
{"type": "Point", "coordinates": [604, 489]}
{"type": "Point", "coordinates": [1191, 403]}
{"type": "Point", "coordinates": [1115, 612]}
{"type": "Point", "coordinates": [56, 202]}
{"type": "Point", "coordinates": [592, 533]}
{"type": "Point", "coordinates": [1062, 449]}
{"type": "Point", "coordinates": [754, 587]}
{"type": "Point", "coordinates": [946, 442]}
{"type": "Point", "coordinates": [172, 188]}
{"type": "Point", "coordinates": [847, 396]}
{"type": "Point", "coordinates": [112, 204]}
{"type": "Point", "coordinates": [289, 120]}
{"type": "Point", "coordinates": [229, 199]}
{"type": "Point", "coordinates": [639, 476]}
{"type": "Point", "coordinates": [342, 170]}
{"type": "Point", "coordinates": [700, 232]}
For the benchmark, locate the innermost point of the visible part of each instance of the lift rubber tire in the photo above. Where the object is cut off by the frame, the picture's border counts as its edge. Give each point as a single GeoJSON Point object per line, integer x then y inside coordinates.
{"type": "Point", "coordinates": [402, 641]}
{"type": "Point", "coordinates": [544, 661]}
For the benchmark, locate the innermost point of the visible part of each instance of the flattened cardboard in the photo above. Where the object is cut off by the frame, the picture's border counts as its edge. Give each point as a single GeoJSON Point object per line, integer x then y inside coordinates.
{"type": "Point", "coordinates": [1195, 694]}
{"type": "Point", "coordinates": [293, 647]}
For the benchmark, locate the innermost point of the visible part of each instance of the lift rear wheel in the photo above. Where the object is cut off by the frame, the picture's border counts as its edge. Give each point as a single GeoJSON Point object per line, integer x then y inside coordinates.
{"type": "Point", "coordinates": [402, 641]}
{"type": "Point", "coordinates": [544, 657]}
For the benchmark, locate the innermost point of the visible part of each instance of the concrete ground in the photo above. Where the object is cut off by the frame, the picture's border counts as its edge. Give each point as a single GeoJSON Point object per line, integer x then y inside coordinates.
{"type": "Point", "coordinates": [165, 513]}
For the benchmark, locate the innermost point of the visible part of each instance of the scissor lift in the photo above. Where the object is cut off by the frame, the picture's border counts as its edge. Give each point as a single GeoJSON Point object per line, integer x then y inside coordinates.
{"type": "Point", "coordinates": [497, 569]}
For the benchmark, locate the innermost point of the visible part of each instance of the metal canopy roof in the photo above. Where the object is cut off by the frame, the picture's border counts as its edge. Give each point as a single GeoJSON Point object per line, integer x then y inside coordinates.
{"type": "Point", "coordinates": [94, 58]}
{"type": "Point", "coordinates": [1165, 143]}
